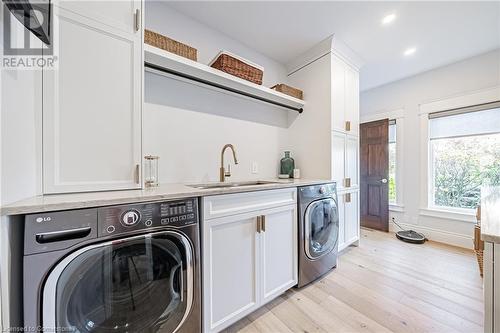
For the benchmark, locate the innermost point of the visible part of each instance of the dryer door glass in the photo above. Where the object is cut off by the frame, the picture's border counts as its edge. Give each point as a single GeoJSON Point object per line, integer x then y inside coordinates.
{"type": "Point", "coordinates": [139, 284]}
{"type": "Point", "coordinates": [321, 228]}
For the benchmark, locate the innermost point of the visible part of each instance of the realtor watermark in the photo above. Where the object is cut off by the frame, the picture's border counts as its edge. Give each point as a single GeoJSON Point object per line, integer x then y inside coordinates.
{"type": "Point", "coordinates": [28, 35]}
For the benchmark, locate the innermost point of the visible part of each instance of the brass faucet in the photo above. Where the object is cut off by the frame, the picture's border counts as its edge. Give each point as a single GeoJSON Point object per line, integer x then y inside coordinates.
{"type": "Point", "coordinates": [223, 172]}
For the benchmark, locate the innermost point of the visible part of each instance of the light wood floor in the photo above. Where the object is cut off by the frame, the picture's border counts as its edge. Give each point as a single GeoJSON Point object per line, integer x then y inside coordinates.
{"type": "Point", "coordinates": [384, 285]}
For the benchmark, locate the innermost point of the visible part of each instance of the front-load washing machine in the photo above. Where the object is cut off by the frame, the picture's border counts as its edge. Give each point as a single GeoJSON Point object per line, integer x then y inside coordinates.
{"type": "Point", "coordinates": [128, 268]}
{"type": "Point", "coordinates": [318, 231]}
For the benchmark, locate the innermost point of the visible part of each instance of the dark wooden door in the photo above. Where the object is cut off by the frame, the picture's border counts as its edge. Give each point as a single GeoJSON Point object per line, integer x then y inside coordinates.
{"type": "Point", "coordinates": [374, 172]}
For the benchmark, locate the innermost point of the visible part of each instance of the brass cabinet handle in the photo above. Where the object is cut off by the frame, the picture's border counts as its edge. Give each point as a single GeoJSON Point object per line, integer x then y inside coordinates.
{"type": "Point", "coordinates": [136, 174]}
{"type": "Point", "coordinates": [137, 19]}
{"type": "Point", "coordinates": [263, 222]}
{"type": "Point", "coordinates": [348, 125]}
{"type": "Point", "coordinates": [259, 223]}
{"type": "Point", "coordinates": [347, 197]}
{"type": "Point", "coordinates": [347, 182]}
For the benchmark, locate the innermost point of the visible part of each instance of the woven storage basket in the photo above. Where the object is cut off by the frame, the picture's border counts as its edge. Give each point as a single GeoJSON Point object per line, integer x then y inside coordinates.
{"type": "Point", "coordinates": [478, 243]}
{"type": "Point", "coordinates": [290, 91]}
{"type": "Point", "coordinates": [239, 67]}
{"type": "Point", "coordinates": [168, 44]}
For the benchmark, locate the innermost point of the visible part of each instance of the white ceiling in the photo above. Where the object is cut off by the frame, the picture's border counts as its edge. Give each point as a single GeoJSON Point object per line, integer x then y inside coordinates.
{"type": "Point", "coordinates": [442, 32]}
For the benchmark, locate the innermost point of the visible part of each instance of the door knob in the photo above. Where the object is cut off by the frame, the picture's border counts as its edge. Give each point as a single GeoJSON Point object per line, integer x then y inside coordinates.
{"type": "Point", "coordinates": [383, 180]}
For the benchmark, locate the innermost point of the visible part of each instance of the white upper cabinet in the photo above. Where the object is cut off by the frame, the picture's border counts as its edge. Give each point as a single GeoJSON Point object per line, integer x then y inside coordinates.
{"type": "Point", "coordinates": [338, 94]}
{"type": "Point", "coordinates": [119, 14]}
{"type": "Point", "coordinates": [352, 100]}
{"type": "Point", "coordinates": [92, 103]}
{"type": "Point", "coordinates": [345, 97]}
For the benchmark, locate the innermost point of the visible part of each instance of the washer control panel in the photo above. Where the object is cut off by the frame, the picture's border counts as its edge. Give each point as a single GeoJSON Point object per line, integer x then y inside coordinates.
{"type": "Point", "coordinates": [119, 219]}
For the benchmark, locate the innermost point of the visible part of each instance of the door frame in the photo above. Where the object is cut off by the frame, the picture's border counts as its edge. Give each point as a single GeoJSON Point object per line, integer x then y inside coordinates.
{"type": "Point", "coordinates": [398, 115]}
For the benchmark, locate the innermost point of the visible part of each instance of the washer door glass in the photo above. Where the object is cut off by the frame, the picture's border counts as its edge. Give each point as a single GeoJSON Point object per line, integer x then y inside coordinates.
{"type": "Point", "coordinates": [132, 285]}
{"type": "Point", "coordinates": [321, 228]}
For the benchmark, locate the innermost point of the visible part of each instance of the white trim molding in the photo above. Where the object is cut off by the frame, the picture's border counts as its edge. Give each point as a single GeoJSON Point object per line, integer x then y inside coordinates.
{"type": "Point", "coordinates": [394, 114]}
{"type": "Point", "coordinates": [468, 99]}
{"type": "Point", "coordinates": [396, 208]}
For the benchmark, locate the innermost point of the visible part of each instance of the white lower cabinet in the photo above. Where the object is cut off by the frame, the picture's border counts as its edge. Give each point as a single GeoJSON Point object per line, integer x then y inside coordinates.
{"type": "Point", "coordinates": [279, 251]}
{"type": "Point", "coordinates": [491, 287]}
{"type": "Point", "coordinates": [348, 204]}
{"type": "Point", "coordinates": [231, 269]}
{"type": "Point", "coordinates": [248, 259]}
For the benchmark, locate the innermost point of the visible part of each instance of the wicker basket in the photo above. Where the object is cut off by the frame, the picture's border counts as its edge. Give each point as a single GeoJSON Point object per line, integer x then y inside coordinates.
{"type": "Point", "coordinates": [478, 243]}
{"type": "Point", "coordinates": [170, 45]}
{"type": "Point", "coordinates": [290, 91]}
{"type": "Point", "coordinates": [238, 66]}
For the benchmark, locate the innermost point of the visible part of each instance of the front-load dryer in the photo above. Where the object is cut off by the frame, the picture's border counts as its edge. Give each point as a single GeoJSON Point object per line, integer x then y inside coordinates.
{"type": "Point", "coordinates": [128, 268]}
{"type": "Point", "coordinates": [318, 231]}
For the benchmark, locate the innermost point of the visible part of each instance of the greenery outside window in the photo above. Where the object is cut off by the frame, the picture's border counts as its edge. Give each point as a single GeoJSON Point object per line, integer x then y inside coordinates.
{"type": "Point", "coordinates": [392, 162]}
{"type": "Point", "coordinates": [464, 154]}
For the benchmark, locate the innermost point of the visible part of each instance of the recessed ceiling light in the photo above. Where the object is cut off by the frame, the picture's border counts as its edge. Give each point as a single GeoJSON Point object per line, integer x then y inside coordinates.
{"type": "Point", "coordinates": [410, 51]}
{"type": "Point", "coordinates": [388, 19]}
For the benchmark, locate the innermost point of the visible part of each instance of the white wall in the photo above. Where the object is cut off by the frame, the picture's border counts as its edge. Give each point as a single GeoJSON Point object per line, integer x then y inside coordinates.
{"type": "Point", "coordinates": [460, 78]}
{"type": "Point", "coordinates": [187, 125]}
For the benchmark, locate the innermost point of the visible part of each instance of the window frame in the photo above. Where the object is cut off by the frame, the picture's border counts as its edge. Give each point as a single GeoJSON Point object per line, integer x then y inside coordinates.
{"type": "Point", "coordinates": [394, 122]}
{"type": "Point", "coordinates": [485, 96]}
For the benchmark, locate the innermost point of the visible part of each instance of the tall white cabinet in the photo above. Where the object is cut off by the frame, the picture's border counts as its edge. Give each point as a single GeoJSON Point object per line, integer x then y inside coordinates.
{"type": "Point", "coordinates": [325, 137]}
{"type": "Point", "coordinates": [92, 99]}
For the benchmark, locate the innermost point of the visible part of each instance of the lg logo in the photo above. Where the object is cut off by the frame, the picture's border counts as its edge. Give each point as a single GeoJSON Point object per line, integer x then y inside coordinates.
{"type": "Point", "coordinates": [43, 219]}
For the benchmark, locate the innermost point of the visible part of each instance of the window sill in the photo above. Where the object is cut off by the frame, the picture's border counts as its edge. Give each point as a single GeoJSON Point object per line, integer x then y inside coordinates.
{"type": "Point", "coordinates": [394, 207]}
{"type": "Point", "coordinates": [448, 214]}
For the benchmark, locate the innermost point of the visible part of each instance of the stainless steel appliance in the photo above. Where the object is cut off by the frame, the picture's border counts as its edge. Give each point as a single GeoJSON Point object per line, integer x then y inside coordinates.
{"type": "Point", "coordinates": [129, 268]}
{"type": "Point", "coordinates": [318, 231]}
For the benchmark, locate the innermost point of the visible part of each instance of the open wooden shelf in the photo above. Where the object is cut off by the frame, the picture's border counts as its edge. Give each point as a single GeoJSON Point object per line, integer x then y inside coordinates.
{"type": "Point", "coordinates": [160, 61]}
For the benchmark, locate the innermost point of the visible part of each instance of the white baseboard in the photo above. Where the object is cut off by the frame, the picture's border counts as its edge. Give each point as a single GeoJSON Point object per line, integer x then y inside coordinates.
{"type": "Point", "coordinates": [437, 235]}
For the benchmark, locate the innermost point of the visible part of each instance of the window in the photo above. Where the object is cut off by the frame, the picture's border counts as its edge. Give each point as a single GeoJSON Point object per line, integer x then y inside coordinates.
{"type": "Point", "coordinates": [392, 161]}
{"type": "Point", "coordinates": [464, 154]}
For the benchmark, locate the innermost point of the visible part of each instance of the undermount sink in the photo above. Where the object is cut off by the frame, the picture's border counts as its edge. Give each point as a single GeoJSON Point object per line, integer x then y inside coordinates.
{"type": "Point", "coordinates": [228, 185]}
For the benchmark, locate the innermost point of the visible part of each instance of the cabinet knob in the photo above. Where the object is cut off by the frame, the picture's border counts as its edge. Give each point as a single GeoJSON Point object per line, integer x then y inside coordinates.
{"type": "Point", "coordinates": [383, 181]}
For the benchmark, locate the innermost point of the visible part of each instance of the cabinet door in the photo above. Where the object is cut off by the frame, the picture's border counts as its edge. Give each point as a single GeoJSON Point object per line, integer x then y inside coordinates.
{"type": "Point", "coordinates": [231, 270]}
{"type": "Point", "coordinates": [341, 206]}
{"type": "Point", "coordinates": [279, 251]}
{"type": "Point", "coordinates": [338, 94]}
{"type": "Point", "coordinates": [351, 212]}
{"type": "Point", "coordinates": [338, 159]}
{"type": "Point", "coordinates": [352, 99]}
{"type": "Point", "coordinates": [114, 13]}
{"type": "Point", "coordinates": [92, 105]}
{"type": "Point", "coordinates": [351, 160]}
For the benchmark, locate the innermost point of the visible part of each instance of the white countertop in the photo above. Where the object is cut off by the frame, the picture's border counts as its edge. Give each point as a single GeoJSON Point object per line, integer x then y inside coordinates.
{"type": "Point", "coordinates": [55, 202]}
{"type": "Point", "coordinates": [490, 214]}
